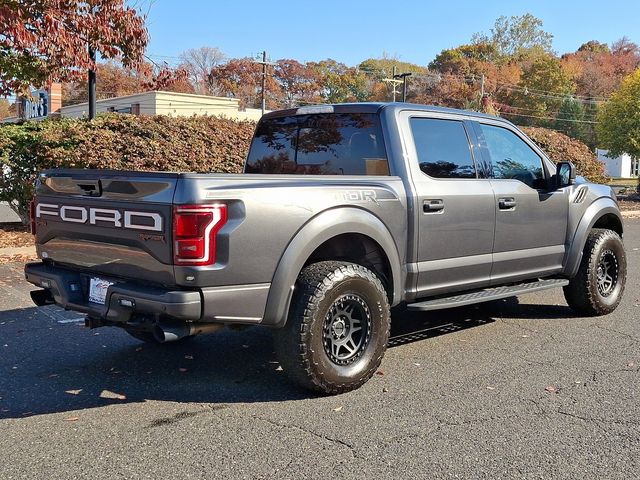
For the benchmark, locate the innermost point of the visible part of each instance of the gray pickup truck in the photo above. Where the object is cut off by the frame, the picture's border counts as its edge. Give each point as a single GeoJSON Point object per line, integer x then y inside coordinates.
{"type": "Point", "coordinates": [343, 211]}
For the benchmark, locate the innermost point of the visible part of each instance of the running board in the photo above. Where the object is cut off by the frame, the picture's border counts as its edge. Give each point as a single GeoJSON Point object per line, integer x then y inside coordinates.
{"type": "Point", "coordinates": [486, 295]}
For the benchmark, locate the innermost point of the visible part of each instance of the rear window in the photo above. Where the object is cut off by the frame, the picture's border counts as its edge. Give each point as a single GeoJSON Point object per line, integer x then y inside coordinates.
{"type": "Point", "coordinates": [319, 144]}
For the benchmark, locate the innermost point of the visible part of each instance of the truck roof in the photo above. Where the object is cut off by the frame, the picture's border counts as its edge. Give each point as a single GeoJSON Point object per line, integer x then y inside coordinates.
{"type": "Point", "coordinates": [373, 107]}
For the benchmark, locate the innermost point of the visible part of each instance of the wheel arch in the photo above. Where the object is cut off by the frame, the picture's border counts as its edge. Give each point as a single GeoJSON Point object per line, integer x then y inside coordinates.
{"type": "Point", "coordinates": [323, 238]}
{"type": "Point", "coordinates": [603, 213]}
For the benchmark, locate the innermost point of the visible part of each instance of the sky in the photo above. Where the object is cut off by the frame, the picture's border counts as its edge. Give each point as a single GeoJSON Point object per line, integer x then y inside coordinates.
{"type": "Point", "coordinates": [353, 30]}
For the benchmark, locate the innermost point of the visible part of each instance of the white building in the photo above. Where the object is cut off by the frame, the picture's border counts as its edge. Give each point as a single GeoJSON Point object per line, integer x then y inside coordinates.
{"type": "Point", "coordinates": [167, 103]}
{"type": "Point", "coordinates": [619, 167]}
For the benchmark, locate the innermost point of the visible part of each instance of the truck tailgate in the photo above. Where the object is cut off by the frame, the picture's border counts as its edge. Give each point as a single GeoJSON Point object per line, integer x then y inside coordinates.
{"type": "Point", "coordinates": [115, 223]}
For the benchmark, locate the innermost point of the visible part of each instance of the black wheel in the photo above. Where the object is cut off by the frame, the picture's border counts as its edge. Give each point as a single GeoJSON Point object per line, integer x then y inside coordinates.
{"type": "Point", "coordinates": [598, 286]}
{"type": "Point", "coordinates": [337, 329]}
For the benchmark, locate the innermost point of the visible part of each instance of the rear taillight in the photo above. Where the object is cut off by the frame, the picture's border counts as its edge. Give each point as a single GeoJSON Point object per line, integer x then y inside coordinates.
{"type": "Point", "coordinates": [32, 216]}
{"type": "Point", "coordinates": [194, 233]}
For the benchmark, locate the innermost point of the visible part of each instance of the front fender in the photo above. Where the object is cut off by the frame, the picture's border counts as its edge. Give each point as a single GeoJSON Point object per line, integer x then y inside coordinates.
{"type": "Point", "coordinates": [595, 211]}
{"type": "Point", "coordinates": [314, 233]}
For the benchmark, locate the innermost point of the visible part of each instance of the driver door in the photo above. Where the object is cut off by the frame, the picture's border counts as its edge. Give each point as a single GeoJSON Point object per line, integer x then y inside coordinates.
{"type": "Point", "coordinates": [531, 217]}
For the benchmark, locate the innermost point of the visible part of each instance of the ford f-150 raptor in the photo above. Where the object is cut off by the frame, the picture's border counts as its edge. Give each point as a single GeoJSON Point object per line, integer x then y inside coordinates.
{"type": "Point", "coordinates": [343, 211]}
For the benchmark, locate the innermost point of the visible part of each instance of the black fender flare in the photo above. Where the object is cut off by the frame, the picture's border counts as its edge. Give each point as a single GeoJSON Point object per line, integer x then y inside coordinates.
{"type": "Point", "coordinates": [601, 207]}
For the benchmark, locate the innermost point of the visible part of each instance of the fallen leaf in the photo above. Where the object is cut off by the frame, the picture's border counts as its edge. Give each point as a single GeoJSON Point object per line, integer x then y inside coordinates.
{"type": "Point", "coordinates": [71, 419]}
{"type": "Point", "coordinates": [380, 372]}
{"type": "Point", "coordinates": [337, 409]}
{"type": "Point", "coordinates": [551, 389]}
{"type": "Point", "coordinates": [73, 392]}
{"type": "Point", "coordinates": [112, 395]}
{"type": "Point", "coordinates": [385, 390]}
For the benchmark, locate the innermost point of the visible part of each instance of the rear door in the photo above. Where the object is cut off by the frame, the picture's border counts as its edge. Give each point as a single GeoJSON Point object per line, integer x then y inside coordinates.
{"type": "Point", "coordinates": [531, 216]}
{"type": "Point", "coordinates": [454, 206]}
{"type": "Point", "coordinates": [112, 223]}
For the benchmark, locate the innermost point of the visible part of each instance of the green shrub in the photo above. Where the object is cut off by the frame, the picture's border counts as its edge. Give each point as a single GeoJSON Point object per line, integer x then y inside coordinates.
{"type": "Point", "coordinates": [122, 142]}
{"type": "Point", "coordinates": [562, 148]}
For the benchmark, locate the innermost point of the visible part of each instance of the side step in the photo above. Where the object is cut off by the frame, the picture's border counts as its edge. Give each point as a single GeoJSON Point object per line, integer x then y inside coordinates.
{"type": "Point", "coordinates": [486, 295]}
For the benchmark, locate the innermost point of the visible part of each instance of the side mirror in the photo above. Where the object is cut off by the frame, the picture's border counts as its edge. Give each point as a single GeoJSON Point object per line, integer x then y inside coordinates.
{"type": "Point", "coordinates": [565, 174]}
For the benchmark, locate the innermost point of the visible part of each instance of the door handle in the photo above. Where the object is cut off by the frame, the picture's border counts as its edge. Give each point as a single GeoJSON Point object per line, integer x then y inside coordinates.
{"type": "Point", "coordinates": [433, 205]}
{"type": "Point", "coordinates": [508, 203]}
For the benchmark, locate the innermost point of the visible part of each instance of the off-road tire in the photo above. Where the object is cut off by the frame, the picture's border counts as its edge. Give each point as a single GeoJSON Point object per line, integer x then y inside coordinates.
{"type": "Point", "coordinates": [583, 293]}
{"type": "Point", "coordinates": [303, 346]}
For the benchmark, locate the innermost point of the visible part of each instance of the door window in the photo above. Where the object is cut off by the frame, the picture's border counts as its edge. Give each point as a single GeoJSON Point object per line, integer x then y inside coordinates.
{"type": "Point", "coordinates": [443, 148]}
{"type": "Point", "coordinates": [511, 157]}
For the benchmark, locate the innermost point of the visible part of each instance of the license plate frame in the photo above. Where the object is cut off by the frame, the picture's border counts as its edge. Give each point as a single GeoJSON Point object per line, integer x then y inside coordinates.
{"type": "Point", "coordinates": [98, 288]}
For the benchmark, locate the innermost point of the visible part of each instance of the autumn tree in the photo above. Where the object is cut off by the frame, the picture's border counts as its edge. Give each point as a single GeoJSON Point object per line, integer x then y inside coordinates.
{"type": "Point", "coordinates": [380, 68]}
{"type": "Point", "coordinates": [542, 87]}
{"type": "Point", "coordinates": [516, 36]}
{"type": "Point", "coordinates": [598, 70]}
{"type": "Point", "coordinates": [619, 119]}
{"type": "Point", "coordinates": [298, 82]}
{"type": "Point", "coordinates": [199, 62]}
{"type": "Point", "coordinates": [571, 119]}
{"type": "Point", "coordinates": [241, 78]}
{"type": "Point", "coordinates": [115, 80]}
{"type": "Point", "coordinates": [340, 83]}
{"type": "Point", "coordinates": [43, 41]}
{"type": "Point", "coordinates": [6, 108]}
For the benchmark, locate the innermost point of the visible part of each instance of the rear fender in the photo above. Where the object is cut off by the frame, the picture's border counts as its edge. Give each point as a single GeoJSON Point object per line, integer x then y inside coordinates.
{"type": "Point", "coordinates": [318, 230]}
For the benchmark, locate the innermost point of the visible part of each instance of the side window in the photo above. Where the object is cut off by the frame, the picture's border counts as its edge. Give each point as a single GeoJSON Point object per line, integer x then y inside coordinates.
{"type": "Point", "coordinates": [443, 148]}
{"type": "Point", "coordinates": [511, 157]}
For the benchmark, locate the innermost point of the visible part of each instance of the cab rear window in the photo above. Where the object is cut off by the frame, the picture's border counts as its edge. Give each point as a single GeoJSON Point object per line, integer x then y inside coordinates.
{"type": "Point", "coordinates": [319, 144]}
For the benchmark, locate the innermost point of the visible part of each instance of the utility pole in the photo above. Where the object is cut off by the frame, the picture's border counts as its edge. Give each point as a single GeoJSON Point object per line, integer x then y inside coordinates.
{"type": "Point", "coordinates": [393, 81]}
{"type": "Point", "coordinates": [264, 64]}
{"type": "Point", "coordinates": [92, 85]}
{"type": "Point", "coordinates": [482, 86]}
{"type": "Point", "coordinates": [403, 76]}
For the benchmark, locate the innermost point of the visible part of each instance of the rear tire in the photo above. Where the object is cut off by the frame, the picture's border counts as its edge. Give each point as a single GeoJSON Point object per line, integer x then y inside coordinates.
{"type": "Point", "coordinates": [337, 329]}
{"type": "Point", "coordinates": [599, 284]}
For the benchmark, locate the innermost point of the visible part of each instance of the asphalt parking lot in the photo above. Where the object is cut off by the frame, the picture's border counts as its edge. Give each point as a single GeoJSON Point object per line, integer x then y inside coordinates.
{"type": "Point", "coordinates": [511, 389]}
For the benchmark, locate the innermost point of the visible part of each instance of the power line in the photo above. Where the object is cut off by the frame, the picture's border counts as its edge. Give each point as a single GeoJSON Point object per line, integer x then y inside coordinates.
{"type": "Point", "coordinates": [549, 118]}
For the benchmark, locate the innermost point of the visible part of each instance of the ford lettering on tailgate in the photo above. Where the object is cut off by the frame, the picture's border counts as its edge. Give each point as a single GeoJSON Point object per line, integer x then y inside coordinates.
{"type": "Point", "coordinates": [118, 218]}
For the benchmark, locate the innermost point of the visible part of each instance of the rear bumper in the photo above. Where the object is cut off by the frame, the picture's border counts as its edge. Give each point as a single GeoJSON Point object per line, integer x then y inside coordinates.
{"type": "Point", "coordinates": [69, 289]}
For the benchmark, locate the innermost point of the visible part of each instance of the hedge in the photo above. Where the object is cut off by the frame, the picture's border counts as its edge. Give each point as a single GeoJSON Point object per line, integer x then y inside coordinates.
{"type": "Point", "coordinates": [560, 147]}
{"type": "Point", "coordinates": [159, 143]}
{"type": "Point", "coordinates": [162, 143]}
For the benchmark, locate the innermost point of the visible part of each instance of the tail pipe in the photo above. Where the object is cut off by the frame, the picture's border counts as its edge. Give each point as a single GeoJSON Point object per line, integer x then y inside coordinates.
{"type": "Point", "coordinates": [171, 333]}
{"type": "Point", "coordinates": [42, 297]}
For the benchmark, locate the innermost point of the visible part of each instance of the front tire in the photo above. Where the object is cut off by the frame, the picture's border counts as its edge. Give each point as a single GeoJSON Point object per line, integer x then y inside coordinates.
{"type": "Point", "coordinates": [337, 329]}
{"type": "Point", "coordinates": [599, 284]}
